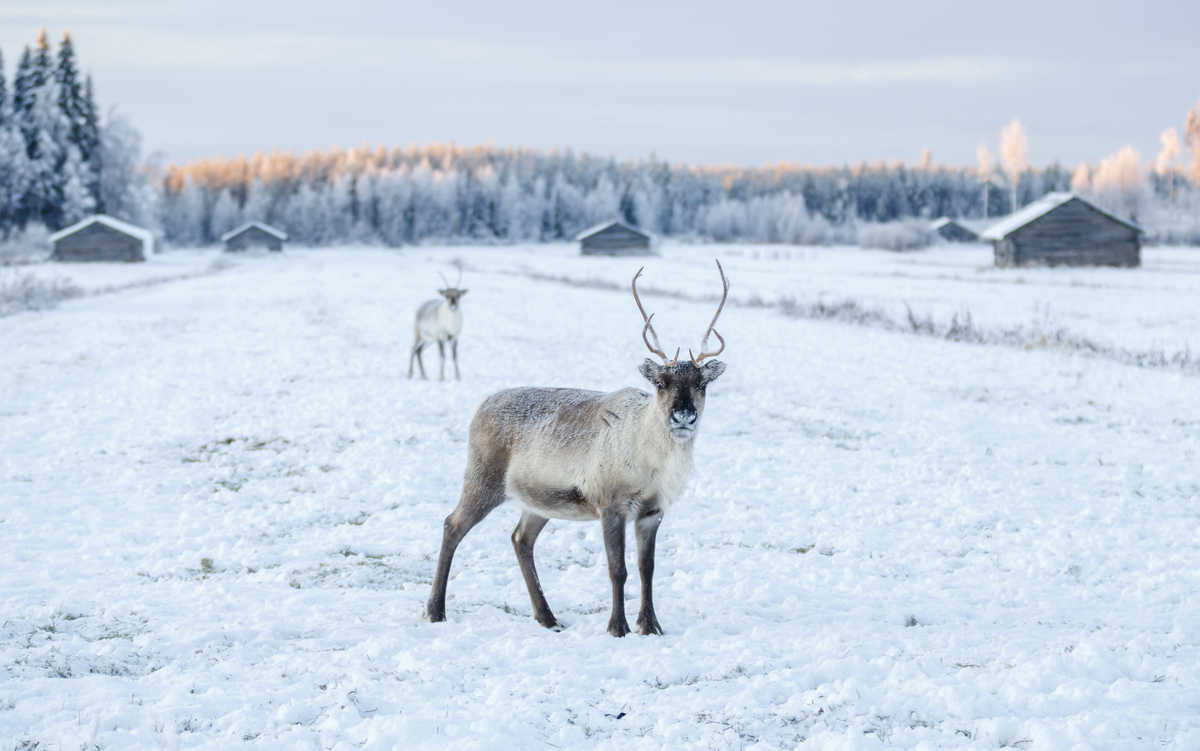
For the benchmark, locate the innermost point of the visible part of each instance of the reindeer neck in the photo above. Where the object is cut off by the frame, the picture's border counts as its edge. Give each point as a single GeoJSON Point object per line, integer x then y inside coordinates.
{"type": "Point", "coordinates": [652, 440]}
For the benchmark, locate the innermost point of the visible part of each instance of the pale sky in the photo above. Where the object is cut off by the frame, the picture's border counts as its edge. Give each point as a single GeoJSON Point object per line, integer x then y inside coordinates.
{"type": "Point", "coordinates": [742, 82]}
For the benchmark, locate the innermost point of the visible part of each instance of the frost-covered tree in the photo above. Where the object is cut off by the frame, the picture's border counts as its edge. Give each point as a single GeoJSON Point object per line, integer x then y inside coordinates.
{"type": "Point", "coordinates": [1191, 135]}
{"type": "Point", "coordinates": [225, 214]}
{"type": "Point", "coordinates": [4, 113]}
{"type": "Point", "coordinates": [123, 185]}
{"type": "Point", "coordinates": [1120, 185]}
{"type": "Point", "coordinates": [1081, 178]}
{"type": "Point", "coordinates": [14, 178]}
{"type": "Point", "coordinates": [22, 83]}
{"type": "Point", "coordinates": [1014, 155]}
{"type": "Point", "coordinates": [183, 215]}
{"type": "Point", "coordinates": [1168, 155]}
{"type": "Point", "coordinates": [983, 160]}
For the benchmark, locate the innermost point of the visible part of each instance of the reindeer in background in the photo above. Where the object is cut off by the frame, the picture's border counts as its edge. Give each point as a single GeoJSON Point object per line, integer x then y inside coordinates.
{"type": "Point", "coordinates": [438, 321]}
{"type": "Point", "coordinates": [585, 455]}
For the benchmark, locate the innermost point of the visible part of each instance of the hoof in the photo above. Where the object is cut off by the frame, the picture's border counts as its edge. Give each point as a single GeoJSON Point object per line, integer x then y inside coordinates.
{"type": "Point", "coordinates": [648, 626]}
{"type": "Point", "coordinates": [618, 628]}
{"type": "Point", "coordinates": [434, 616]}
{"type": "Point", "coordinates": [549, 622]}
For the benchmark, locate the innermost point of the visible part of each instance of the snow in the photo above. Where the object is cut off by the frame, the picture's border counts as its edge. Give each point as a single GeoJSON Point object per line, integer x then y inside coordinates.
{"type": "Point", "coordinates": [1044, 205]}
{"type": "Point", "coordinates": [104, 276]}
{"type": "Point", "coordinates": [145, 235]}
{"type": "Point", "coordinates": [264, 227]}
{"type": "Point", "coordinates": [221, 501]}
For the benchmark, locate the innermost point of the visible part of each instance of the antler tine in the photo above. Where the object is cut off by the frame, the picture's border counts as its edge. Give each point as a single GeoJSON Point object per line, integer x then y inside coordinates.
{"type": "Point", "coordinates": [655, 348]}
{"type": "Point", "coordinates": [445, 281]}
{"type": "Point", "coordinates": [704, 342]}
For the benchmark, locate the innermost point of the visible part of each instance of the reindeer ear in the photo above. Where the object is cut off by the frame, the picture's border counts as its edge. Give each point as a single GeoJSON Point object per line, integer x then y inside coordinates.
{"type": "Point", "coordinates": [711, 371]}
{"type": "Point", "coordinates": [462, 292]}
{"type": "Point", "coordinates": [651, 370]}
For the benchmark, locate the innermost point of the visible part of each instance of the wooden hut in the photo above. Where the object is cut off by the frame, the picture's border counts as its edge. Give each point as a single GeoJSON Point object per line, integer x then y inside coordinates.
{"type": "Point", "coordinates": [254, 235]}
{"type": "Point", "coordinates": [1063, 229]}
{"type": "Point", "coordinates": [102, 238]}
{"type": "Point", "coordinates": [613, 238]}
{"type": "Point", "coordinates": [951, 231]}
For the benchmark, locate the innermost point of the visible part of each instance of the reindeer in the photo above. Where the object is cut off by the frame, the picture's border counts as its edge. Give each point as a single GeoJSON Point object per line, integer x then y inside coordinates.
{"type": "Point", "coordinates": [438, 321]}
{"type": "Point", "coordinates": [586, 455]}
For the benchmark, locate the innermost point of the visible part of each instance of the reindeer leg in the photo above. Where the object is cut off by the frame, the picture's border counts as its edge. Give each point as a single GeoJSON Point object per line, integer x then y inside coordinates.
{"type": "Point", "coordinates": [412, 355]}
{"type": "Point", "coordinates": [454, 351]}
{"type": "Point", "coordinates": [613, 523]}
{"type": "Point", "coordinates": [421, 362]}
{"type": "Point", "coordinates": [442, 357]}
{"type": "Point", "coordinates": [481, 493]}
{"type": "Point", "coordinates": [523, 538]}
{"type": "Point", "coordinates": [647, 529]}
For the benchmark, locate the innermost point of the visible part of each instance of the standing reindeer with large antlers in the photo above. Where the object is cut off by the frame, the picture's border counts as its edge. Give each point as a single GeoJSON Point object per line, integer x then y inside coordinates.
{"type": "Point", "coordinates": [584, 455]}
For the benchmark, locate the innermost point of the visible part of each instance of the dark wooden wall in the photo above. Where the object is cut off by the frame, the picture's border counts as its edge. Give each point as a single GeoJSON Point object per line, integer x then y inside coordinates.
{"type": "Point", "coordinates": [253, 237]}
{"type": "Point", "coordinates": [1074, 234]}
{"type": "Point", "coordinates": [956, 233]}
{"type": "Point", "coordinates": [98, 242]}
{"type": "Point", "coordinates": [615, 241]}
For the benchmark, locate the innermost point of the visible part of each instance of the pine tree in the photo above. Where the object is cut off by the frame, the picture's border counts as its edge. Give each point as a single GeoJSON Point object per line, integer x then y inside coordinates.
{"type": "Point", "coordinates": [93, 142]}
{"type": "Point", "coordinates": [42, 69]}
{"type": "Point", "coordinates": [3, 93]}
{"type": "Point", "coordinates": [71, 97]}
{"type": "Point", "coordinates": [21, 85]}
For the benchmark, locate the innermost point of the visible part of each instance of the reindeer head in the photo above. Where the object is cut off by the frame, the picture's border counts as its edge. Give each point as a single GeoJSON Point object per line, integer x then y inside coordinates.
{"type": "Point", "coordinates": [680, 386]}
{"type": "Point", "coordinates": [452, 292]}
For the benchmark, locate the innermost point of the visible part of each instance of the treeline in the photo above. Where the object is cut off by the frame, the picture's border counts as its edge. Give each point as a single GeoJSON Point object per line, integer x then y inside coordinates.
{"type": "Point", "coordinates": [58, 162]}
{"type": "Point", "coordinates": [485, 194]}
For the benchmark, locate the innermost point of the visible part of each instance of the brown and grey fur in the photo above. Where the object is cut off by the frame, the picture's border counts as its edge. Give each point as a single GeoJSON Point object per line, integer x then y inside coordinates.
{"type": "Point", "coordinates": [583, 455]}
{"type": "Point", "coordinates": [438, 320]}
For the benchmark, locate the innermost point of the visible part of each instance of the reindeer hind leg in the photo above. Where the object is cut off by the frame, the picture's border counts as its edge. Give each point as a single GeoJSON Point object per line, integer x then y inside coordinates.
{"type": "Point", "coordinates": [483, 490]}
{"type": "Point", "coordinates": [523, 539]}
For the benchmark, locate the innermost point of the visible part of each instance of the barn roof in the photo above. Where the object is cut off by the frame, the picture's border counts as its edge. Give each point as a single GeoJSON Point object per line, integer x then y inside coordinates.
{"type": "Point", "coordinates": [278, 233]}
{"type": "Point", "coordinates": [145, 235]}
{"type": "Point", "coordinates": [1040, 208]}
{"type": "Point", "coordinates": [605, 225]}
{"type": "Point", "coordinates": [942, 222]}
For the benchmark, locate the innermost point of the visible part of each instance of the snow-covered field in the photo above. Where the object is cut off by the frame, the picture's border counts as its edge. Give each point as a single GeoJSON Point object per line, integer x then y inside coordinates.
{"type": "Point", "coordinates": [110, 277]}
{"type": "Point", "coordinates": [220, 501]}
{"type": "Point", "coordinates": [1150, 309]}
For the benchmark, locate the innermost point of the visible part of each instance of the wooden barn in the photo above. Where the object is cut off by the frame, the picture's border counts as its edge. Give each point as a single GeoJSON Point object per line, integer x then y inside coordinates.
{"type": "Point", "coordinates": [1063, 229]}
{"type": "Point", "coordinates": [102, 238]}
{"type": "Point", "coordinates": [613, 238]}
{"type": "Point", "coordinates": [951, 231]}
{"type": "Point", "coordinates": [254, 235]}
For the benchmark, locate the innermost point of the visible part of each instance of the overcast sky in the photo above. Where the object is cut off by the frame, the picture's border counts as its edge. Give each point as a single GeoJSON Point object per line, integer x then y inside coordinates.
{"type": "Point", "coordinates": [739, 81]}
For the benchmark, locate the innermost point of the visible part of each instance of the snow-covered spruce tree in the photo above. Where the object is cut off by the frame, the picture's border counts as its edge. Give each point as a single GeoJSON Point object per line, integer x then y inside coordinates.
{"type": "Point", "coordinates": [77, 102]}
{"type": "Point", "coordinates": [14, 174]}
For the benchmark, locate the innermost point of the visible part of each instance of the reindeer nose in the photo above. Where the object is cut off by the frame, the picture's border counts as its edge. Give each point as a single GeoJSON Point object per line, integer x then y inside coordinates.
{"type": "Point", "coordinates": [683, 418]}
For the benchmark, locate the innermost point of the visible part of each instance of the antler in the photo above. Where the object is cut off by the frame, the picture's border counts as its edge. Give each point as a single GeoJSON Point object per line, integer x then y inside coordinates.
{"type": "Point", "coordinates": [656, 348]}
{"type": "Point", "coordinates": [705, 355]}
{"type": "Point", "coordinates": [445, 281]}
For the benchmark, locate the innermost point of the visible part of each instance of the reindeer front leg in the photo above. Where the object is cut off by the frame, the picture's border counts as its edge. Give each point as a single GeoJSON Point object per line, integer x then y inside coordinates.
{"type": "Point", "coordinates": [647, 530]}
{"type": "Point", "coordinates": [613, 523]}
